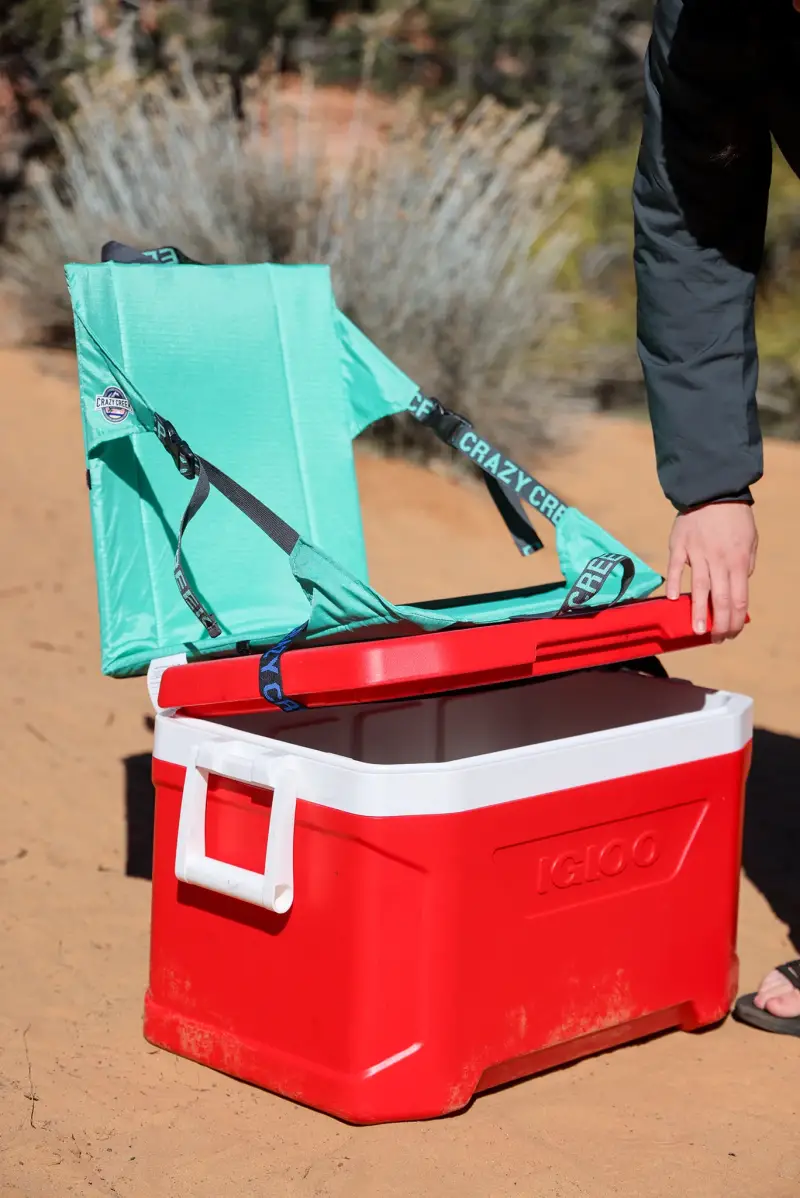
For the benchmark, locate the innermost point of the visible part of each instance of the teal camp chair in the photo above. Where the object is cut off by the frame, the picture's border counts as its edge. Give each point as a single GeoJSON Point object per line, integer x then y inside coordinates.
{"type": "Point", "coordinates": [256, 386]}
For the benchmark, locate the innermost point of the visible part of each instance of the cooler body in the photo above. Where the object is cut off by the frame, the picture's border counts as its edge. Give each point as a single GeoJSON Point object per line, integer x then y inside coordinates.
{"type": "Point", "coordinates": [485, 885]}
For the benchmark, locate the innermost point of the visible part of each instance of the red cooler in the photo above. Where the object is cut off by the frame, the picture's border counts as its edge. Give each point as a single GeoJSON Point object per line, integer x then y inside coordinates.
{"type": "Point", "coordinates": [380, 909]}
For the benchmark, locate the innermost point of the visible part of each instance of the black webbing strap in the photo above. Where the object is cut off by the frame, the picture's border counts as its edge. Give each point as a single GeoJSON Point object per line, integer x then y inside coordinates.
{"type": "Point", "coordinates": [270, 676]}
{"type": "Point", "coordinates": [508, 484]}
{"type": "Point", "coordinates": [283, 535]}
{"type": "Point", "coordinates": [791, 971]}
{"type": "Point", "coordinates": [167, 255]}
{"type": "Point", "coordinates": [198, 497]}
{"type": "Point", "coordinates": [595, 575]}
{"type": "Point", "coordinates": [193, 467]}
{"type": "Point", "coordinates": [515, 518]}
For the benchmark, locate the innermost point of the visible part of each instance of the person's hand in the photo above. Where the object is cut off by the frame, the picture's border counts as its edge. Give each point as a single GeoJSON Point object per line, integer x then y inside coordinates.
{"type": "Point", "coordinates": [718, 543]}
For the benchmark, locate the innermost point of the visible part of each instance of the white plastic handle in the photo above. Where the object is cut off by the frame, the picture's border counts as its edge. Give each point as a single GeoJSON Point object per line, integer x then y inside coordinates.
{"type": "Point", "coordinates": [274, 888]}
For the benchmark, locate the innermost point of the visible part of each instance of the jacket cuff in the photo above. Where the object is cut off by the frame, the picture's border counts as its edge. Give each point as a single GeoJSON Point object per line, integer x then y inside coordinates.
{"type": "Point", "coordinates": [744, 496]}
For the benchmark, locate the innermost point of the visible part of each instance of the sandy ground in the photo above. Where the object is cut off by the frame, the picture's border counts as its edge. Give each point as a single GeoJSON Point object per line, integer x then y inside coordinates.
{"type": "Point", "coordinates": [88, 1108]}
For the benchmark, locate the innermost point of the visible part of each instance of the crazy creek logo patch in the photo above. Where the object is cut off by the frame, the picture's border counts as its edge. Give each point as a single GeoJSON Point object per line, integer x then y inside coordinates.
{"type": "Point", "coordinates": [114, 404]}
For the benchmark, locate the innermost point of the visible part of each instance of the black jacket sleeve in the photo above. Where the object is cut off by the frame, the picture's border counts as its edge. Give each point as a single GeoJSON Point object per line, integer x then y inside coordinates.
{"type": "Point", "coordinates": [700, 200]}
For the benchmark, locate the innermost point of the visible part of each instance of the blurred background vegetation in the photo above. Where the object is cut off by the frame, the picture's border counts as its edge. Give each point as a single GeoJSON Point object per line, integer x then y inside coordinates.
{"type": "Point", "coordinates": [463, 165]}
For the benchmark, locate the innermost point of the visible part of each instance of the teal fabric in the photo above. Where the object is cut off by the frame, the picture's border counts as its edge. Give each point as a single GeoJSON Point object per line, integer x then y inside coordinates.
{"type": "Point", "coordinates": [339, 603]}
{"type": "Point", "coordinates": [375, 386]}
{"type": "Point", "coordinates": [260, 374]}
{"type": "Point", "coordinates": [247, 362]}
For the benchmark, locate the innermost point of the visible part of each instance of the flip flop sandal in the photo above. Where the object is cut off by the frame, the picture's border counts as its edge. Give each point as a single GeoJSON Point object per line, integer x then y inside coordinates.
{"type": "Point", "coordinates": [747, 1012]}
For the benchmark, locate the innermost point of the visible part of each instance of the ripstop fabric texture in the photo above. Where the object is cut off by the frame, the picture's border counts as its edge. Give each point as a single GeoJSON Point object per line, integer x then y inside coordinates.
{"type": "Point", "coordinates": [260, 374]}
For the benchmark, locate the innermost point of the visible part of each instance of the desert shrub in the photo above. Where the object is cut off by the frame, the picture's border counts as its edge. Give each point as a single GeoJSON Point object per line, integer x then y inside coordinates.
{"type": "Point", "coordinates": [439, 233]}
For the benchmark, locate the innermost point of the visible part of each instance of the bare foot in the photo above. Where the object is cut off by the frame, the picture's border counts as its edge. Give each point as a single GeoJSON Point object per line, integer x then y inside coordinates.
{"type": "Point", "coordinates": [778, 996]}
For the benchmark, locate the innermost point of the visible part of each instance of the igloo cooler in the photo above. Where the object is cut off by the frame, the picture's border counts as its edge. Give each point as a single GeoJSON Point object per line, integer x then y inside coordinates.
{"type": "Point", "coordinates": [381, 909]}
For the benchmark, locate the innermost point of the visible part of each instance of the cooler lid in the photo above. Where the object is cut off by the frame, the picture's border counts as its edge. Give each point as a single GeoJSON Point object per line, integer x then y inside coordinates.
{"type": "Point", "coordinates": [413, 666]}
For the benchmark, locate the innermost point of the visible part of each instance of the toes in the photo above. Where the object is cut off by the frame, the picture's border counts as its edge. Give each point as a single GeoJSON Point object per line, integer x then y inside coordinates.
{"type": "Point", "coordinates": [787, 1006]}
{"type": "Point", "coordinates": [778, 996]}
{"type": "Point", "coordinates": [774, 985]}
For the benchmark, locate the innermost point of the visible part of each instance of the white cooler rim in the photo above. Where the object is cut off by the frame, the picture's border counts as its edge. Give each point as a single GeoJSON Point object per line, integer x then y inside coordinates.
{"type": "Point", "coordinates": [724, 726]}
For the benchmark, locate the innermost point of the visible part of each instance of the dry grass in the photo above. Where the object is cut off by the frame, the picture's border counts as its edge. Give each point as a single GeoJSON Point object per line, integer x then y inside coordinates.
{"type": "Point", "coordinates": [440, 233]}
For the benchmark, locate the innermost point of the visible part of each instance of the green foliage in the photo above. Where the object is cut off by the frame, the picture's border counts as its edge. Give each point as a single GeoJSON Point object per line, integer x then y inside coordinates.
{"type": "Point", "coordinates": [33, 50]}
{"type": "Point", "coordinates": [576, 55]}
{"type": "Point", "coordinates": [34, 23]}
{"type": "Point", "coordinates": [246, 28]}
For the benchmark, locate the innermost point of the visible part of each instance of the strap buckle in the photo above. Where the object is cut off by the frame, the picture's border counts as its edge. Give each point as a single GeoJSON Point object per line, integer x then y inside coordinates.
{"type": "Point", "coordinates": [186, 462]}
{"type": "Point", "coordinates": [449, 426]}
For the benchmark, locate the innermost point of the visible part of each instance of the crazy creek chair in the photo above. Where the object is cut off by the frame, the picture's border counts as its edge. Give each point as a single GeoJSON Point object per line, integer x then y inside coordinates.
{"type": "Point", "coordinates": [253, 369]}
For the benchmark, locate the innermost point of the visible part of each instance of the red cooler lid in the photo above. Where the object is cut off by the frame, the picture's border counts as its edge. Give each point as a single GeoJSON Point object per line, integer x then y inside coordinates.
{"type": "Point", "coordinates": [410, 666]}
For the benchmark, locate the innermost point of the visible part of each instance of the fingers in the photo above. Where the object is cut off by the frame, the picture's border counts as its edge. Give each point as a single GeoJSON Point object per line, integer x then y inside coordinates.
{"type": "Point", "coordinates": [718, 543]}
{"type": "Point", "coordinates": [702, 578]}
{"type": "Point", "coordinates": [740, 596]}
{"type": "Point", "coordinates": [677, 562]}
{"type": "Point", "coordinates": [729, 595]}
{"type": "Point", "coordinates": [701, 590]}
{"type": "Point", "coordinates": [720, 599]}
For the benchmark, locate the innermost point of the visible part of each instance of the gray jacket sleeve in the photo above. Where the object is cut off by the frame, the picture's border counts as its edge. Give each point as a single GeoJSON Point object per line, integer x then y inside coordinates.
{"type": "Point", "coordinates": [700, 200]}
